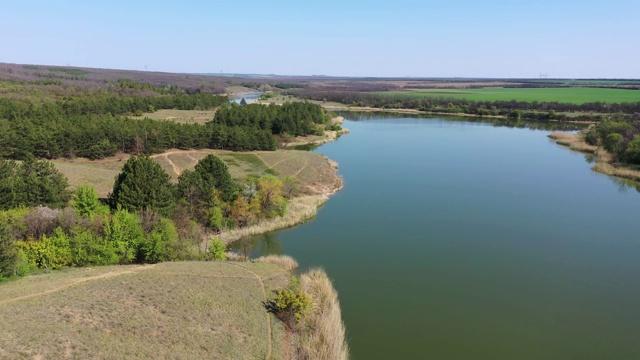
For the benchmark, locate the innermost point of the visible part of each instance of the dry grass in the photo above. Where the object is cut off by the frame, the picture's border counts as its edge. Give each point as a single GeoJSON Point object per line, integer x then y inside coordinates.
{"type": "Point", "coordinates": [299, 210]}
{"type": "Point", "coordinates": [605, 162]}
{"type": "Point", "coordinates": [100, 173]}
{"type": "Point", "coordinates": [238, 90]}
{"type": "Point", "coordinates": [285, 262]}
{"type": "Point", "coordinates": [316, 173]}
{"type": "Point", "coordinates": [180, 116]}
{"type": "Point", "coordinates": [190, 310]}
{"type": "Point", "coordinates": [325, 338]}
{"type": "Point", "coordinates": [575, 142]}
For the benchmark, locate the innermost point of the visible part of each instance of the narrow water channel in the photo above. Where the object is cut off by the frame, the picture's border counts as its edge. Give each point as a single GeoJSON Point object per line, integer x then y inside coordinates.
{"type": "Point", "coordinates": [464, 240]}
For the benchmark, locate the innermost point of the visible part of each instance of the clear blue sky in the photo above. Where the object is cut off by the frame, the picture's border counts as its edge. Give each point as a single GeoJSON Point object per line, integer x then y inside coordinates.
{"type": "Point", "coordinates": [452, 38]}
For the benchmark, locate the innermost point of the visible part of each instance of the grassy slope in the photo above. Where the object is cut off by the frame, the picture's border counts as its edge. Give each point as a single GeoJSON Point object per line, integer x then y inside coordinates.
{"type": "Point", "coordinates": [180, 116]}
{"type": "Point", "coordinates": [312, 170]}
{"type": "Point", "coordinates": [564, 95]}
{"type": "Point", "coordinates": [170, 310]}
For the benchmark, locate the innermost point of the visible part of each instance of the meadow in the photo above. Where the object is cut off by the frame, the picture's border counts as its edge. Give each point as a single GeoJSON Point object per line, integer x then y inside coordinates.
{"type": "Point", "coordinates": [191, 310]}
{"type": "Point", "coordinates": [315, 173]}
{"type": "Point", "coordinates": [571, 95]}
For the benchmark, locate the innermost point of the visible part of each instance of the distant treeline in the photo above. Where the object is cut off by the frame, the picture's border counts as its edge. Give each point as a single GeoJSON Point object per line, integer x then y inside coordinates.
{"type": "Point", "coordinates": [95, 126]}
{"type": "Point", "coordinates": [105, 103]}
{"type": "Point", "coordinates": [296, 118]}
{"type": "Point", "coordinates": [593, 111]}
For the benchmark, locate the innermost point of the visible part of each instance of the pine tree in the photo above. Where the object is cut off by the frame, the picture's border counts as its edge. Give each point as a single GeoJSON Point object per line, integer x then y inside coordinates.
{"type": "Point", "coordinates": [143, 184]}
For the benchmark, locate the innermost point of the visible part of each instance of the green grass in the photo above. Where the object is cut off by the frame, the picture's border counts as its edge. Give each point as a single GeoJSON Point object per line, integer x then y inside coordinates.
{"type": "Point", "coordinates": [563, 95]}
{"type": "Point", "coordinates": [190, 310]}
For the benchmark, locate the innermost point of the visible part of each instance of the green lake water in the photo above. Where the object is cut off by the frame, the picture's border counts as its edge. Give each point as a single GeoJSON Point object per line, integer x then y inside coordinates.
{"type": "Point", "coordinates": [464, 240]}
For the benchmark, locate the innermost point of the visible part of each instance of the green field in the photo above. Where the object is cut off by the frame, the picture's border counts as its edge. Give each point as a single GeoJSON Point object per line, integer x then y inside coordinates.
{"type": "Point", "coordinates": [564, 95]}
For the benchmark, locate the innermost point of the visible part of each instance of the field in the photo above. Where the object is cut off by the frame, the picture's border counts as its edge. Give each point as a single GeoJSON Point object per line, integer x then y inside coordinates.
{"type": "Point", "coordinates": [189, 310]}
{"type": "Point", "coordinates": [577, 95]}
{"type": "Point", "coordinates": [180, 116]}
{"type": "Point", "coordinates": [315, 173]}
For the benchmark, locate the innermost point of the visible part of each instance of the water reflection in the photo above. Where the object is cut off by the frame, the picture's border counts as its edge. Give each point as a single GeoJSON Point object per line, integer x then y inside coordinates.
{"type": "Point", "coordinates": [625, 184]}
{"type": "Point", "coordinates": [256, 246]}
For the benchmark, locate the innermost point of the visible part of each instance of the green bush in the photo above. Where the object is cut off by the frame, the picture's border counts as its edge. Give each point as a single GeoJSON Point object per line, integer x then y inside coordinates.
{"type": "Point", "coordinates": [86, 202]}
{"type": "Point", "coordinates": [125, 234]}
{"type": "Point", "coordinates": [290, 305]}
{"type": "Point", "coordinates": [217, 250]}
{"type": "Point", "coordinates": [49, 252]}
{"type": "Point", "coordinates": [88, 248]}
{"type": "Point", "coordinates": [159, 245]}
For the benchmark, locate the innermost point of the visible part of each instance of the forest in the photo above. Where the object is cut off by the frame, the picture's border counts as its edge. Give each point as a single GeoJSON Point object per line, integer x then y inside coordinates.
{"type": "Point", "coordinates": [96, 125]}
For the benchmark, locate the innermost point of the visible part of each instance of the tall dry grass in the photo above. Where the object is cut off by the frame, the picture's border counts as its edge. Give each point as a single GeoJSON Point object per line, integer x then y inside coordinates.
{"type": "Point", "coordinates": [285, 262]}
{"type": "Point", "coordinates": [575, 142]}
{"type": "Point", "coordinates": [299, 210]}
{"type": "Point", "coordinates": [325, 335]}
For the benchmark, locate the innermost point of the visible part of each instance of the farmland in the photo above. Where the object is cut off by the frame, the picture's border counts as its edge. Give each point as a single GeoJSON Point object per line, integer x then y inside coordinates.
{"type": "Point", "coordinates": [190, 310]}
{"type": "Point", "coordinates": [572, 95]}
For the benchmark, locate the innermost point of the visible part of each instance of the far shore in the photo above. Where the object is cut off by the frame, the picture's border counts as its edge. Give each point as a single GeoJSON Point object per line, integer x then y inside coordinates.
{"type": "Point", "coordinates": [334, 107]}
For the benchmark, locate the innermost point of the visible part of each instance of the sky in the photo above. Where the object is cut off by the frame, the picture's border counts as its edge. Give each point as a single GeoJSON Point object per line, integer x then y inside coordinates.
{"type": "Point", "coordinates": [430, 38]}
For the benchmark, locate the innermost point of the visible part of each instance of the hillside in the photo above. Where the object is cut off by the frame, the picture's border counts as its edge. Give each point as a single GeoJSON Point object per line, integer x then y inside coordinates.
{"type": "Point", "coordinates": [189, 310]}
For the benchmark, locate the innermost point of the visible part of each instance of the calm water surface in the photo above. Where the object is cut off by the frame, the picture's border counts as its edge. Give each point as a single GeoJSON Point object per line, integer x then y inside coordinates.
{"type": "Point", "coordinates": [460, 240]}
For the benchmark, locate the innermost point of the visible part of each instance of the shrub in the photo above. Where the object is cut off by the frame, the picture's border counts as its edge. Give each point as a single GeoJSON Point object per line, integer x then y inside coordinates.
{"type": "Point", "coordinates": [49, 252]}
{"type": "Point", "coordinates": [87, 202]}
{"type": "Point", "coordinates": [217, 250]}
{"type": "Point", "coordinates": [125, 234]}
{"type": "Point", "coordinates": [87, 248]}
{"type": "Point", "coordinates": [158, 245]}
{"type": "Point", "coordinates": [290, 306]}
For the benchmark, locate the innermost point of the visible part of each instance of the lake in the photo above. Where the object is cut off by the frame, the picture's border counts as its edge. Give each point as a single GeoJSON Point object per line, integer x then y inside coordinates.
{"type": "Point", "coordinates": [465, 240]}
{"type": "Point", "coordinates": [248, 98]}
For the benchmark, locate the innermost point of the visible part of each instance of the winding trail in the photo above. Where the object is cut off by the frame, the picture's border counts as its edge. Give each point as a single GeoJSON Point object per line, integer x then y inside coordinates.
{"type": "Point", "coordinates": [277, 162]}
{"type": "Point", "coordinates": [78, 282]}
{"type": "Point", "coordinates": [264, 294]}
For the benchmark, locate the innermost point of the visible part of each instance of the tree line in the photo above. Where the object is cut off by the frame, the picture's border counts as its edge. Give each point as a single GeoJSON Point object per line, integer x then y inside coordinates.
{"type": "Point", "coordinates": [593, 111]}
{"type": "Point", "coordinates": [146, 219]}
{"type": "Point", "coordinates": [619, 137]}
{"type": "Point", "coordinates": [294, 118]}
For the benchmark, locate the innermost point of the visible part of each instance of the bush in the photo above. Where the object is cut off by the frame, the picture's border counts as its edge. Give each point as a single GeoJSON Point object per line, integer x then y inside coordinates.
{"type": "Point", "coordinates": [49, 252]}
{"type": "Point", "coordinates": [217, 250]}
{"type": "Point", "coordinates": [125, 234]}
{"type": "Point", "coordinates": [290, 306]}
{"type": "Point", "coordinates": [159, 244]}
{"type": "Point", "coordinates": [87, 248]}
{"type": "Point", "coordinates": [87, 202]}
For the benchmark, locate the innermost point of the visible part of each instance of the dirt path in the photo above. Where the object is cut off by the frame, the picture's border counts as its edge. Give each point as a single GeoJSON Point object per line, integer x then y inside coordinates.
{"type": "Point", "coordinates": [306, 163]}
{"type": "Point", "coordinates": [264, 294]}
{"type": "Point", "coordinates": [277, 162]}
{"type": "Point", "coordinates": [77, 282]}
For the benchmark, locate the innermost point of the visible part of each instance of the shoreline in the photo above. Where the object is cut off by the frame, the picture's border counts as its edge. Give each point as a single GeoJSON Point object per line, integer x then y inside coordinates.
{"type": "Point", "coordinates": [423, 112]}
{"type": "Point", "coordinates": [300, 209]}
{"type": "Point", "coordinates": [604, 160]}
